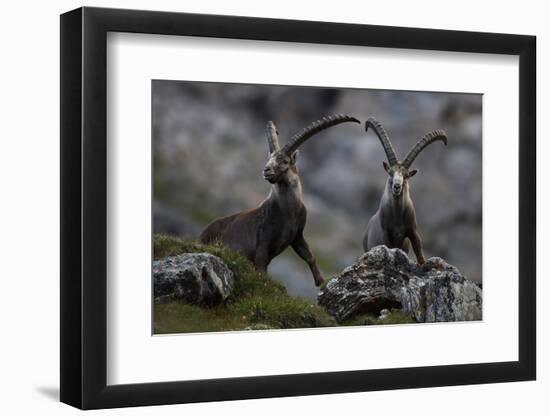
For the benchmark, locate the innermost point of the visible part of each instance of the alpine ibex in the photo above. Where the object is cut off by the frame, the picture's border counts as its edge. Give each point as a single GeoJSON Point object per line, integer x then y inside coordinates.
{"type": "Point", "coordinates": [394, 224]}
{"type": "Point", "coordinates": [264, 232]}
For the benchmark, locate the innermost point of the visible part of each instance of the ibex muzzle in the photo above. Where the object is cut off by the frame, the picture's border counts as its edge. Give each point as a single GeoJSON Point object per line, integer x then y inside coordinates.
{"type": "Point", "coordinates": [394, 224]}
{"type": "Point", "coordinates": [264, 232]}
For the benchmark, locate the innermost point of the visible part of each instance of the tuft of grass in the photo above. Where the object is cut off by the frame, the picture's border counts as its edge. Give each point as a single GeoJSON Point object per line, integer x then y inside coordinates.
{"type": "Point", "coordinates": [256, 301]}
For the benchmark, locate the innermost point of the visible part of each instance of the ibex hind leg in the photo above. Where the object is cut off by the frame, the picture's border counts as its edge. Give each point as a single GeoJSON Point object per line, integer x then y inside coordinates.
{"type": "Point", "coordinates": [213, 232]}
{"type": "Point", "coordinates": [207, 236]}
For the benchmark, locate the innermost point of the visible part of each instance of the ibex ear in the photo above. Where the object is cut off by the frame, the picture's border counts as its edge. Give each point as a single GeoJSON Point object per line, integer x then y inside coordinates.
{"type": "Point", "coordinates": [386, 166]}
{"type": "Point", "coordinates": [293, 157]}
{"type": "Point", "coordinates": [412, 173]}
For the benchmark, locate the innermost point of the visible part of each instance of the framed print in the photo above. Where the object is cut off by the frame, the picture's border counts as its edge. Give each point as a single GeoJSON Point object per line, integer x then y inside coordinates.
{"type": "Point", "coordinates": [257, 208]}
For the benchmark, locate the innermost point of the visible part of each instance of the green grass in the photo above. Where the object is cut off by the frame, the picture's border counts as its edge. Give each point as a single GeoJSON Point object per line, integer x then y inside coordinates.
{"type": "Point", "coordinates": [256, 301]}
{"type": "Point", "coordinates": [177, 317]}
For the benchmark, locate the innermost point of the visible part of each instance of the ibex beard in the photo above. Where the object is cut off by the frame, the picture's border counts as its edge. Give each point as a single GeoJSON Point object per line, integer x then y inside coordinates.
{"type": "Point", "coordinates": [278, 222]}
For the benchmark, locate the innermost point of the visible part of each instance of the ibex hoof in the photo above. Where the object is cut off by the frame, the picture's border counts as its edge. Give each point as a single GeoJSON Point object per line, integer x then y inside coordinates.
{"type": "Point", "coordinates": [319, 282]}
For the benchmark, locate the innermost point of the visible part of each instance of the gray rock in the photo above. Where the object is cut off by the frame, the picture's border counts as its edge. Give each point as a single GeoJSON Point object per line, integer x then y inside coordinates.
{"type": "Point", "coordinates": [383, 314]}
{"type": "Point", "coordinates": [195, 278]}
{"type": "Point", "coordinates": [386, 278]}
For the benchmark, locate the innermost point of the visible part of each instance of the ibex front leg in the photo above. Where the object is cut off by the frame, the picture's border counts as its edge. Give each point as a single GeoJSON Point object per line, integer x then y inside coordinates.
{"type": "Point", "coordinates": [301, 247]}
{"type": "Point", "coordinates": [417, 246]}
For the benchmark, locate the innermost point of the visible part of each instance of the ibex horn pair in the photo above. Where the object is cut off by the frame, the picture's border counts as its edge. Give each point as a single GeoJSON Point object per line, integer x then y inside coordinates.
{"type": "Point", "coordinates": [429, 138]}
{"type": "Point", "coordinates": [298, 139]}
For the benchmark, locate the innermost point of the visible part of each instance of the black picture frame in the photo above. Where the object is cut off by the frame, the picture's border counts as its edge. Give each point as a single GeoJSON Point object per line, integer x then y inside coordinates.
{"type": "Point", "coordinates": [84, 207]}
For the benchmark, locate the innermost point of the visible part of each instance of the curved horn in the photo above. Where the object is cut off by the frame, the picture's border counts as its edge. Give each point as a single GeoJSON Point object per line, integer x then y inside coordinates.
{"type": "Point", "coordinates": [315, 128]}
{"type": "Point", "coordinates": [272, 137]}
{"type": "Point", "coordinates": [428, 138]}
{"type": "Point", "coordinates": [384, 139]}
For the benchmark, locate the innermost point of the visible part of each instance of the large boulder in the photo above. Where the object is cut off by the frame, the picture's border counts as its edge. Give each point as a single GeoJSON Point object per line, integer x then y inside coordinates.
{"type": "Point", "coordinates": [387, 278]}
{"type": "Point", "coordinates": [195, 278]}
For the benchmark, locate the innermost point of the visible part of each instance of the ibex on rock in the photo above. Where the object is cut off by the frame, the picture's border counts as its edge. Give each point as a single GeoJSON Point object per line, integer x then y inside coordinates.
{"type": "Point", "coordinates": [264, 232]}
{"type": "Point", "coordinates": [394, 224]}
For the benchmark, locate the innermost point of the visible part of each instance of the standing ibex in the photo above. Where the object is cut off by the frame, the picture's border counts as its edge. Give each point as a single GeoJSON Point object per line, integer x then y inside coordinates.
{"type": "Point", "coordinates": [394, 224]}
{"type": "Point", "coordinates": [264, 232]}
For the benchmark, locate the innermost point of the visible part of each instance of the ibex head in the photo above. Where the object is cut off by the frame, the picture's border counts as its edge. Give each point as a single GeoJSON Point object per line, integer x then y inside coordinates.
{"type": "Point", "coordinates": [282, 161]}
{"type": "Point", "coordinates": [399, 171]}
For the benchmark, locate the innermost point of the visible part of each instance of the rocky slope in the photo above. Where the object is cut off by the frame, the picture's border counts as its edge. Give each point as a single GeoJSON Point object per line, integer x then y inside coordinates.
{"type": "Point", "coordinates": [380, 283]}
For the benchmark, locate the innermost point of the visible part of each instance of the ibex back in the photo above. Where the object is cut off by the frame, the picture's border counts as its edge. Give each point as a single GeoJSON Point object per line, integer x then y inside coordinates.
{"type": "Point", "coordinates": [264, 232]}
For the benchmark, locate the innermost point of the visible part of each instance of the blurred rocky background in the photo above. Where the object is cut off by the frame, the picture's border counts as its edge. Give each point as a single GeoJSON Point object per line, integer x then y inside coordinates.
{"type": "Point", "coordinates": [209, 149]}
